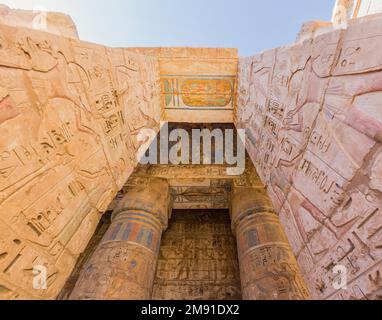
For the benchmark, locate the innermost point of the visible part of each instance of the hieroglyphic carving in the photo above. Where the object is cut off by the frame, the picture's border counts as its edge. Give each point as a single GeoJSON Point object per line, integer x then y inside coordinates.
{"type": "Point", "coordinates": [123, 265]}
{"type": "Point", "coordinates": [70, 113]}
{"type": "Point", "coordinates": [198, 84]}
{"type": "Point", "coordinates": [268, 267]}
{"type": "Point", "coordinates": [204, 92]}
{"type": "Point", "coordinates": [201, 194]}
{"type": "Point", "coordinates": [314, 135]}
{"type": "Point", "coordinates": [198, 258]}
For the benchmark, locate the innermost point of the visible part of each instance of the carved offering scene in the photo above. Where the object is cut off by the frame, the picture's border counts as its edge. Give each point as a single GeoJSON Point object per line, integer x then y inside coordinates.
{"type": "Point", "coordinates": [189, 173]}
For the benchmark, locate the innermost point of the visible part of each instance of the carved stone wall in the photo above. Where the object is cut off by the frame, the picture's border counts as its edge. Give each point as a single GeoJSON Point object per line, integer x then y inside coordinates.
{"type": "Point", "coordinates": [314, 131]}
{"type": "Point", "coordinates": [70, 113]}
{"type": "Point", "coordinates": [123, 265]}
{"type": "Point", "coordinates": [198, 84]}
{"type": "Point", "coordinates": [198, 258]}
{"type": "Point", "coordinates": [84, 258]}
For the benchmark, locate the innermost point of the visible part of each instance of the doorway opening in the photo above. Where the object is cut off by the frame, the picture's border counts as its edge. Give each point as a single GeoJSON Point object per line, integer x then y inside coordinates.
{"type": "Point", "coordinates": [198, 258]}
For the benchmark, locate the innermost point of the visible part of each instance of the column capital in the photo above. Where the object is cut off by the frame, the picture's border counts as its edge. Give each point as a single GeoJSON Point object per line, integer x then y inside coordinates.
{"type": "Point", "coordinates": [152, 197]}
{"type": "Point", "coordinates": [249, 201]}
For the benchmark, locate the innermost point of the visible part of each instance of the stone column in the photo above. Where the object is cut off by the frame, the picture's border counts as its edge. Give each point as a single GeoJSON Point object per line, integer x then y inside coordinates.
{"type": "Point", "coordinates": [123, 266]}
{"type": "Point", "coordinates": [268, 267]}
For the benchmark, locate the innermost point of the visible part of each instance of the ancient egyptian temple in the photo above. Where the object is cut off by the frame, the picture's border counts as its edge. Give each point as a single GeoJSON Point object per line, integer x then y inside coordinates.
{"type": "Point", "coordinates": [83, 218]}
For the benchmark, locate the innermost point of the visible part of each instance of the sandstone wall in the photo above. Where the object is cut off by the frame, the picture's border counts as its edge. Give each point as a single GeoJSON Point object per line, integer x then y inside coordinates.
{"type": "Point", "coordinates": [198, 84]}
{"type": "Point", "coordinates": [70, 113]}
{"type": "Point", "coordinates": [314, 130]}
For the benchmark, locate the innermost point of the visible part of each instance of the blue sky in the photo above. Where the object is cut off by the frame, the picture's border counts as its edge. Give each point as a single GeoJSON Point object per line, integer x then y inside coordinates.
{"type": "Point", "coordinates": [249, 25]}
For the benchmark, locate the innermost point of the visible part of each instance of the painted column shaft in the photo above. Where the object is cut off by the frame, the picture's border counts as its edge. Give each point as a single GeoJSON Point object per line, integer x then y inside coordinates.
{"type": "Point", "coordinates": [268, 267]}
{"type": "Point", "coordinates": [123, 266]}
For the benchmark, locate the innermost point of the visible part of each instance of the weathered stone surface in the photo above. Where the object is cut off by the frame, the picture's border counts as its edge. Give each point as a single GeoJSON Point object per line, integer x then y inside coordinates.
{"type": "Point", "coordinates": [198, 258]}
{"type": "Point", "coordinates": [198, 84]}
{"type": "Point", "coordinates": [313, 121]}
{"type": "Point", "coordinates": [268, 267]}
{"type": "Point", "coordinates": [52, 22]}
{"type": "Point", "coordinates": [313, 29]}
{"type": "Point", "coordinates": [123, 266]}
{"type": "Point", "coordinates": [70, 113]}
